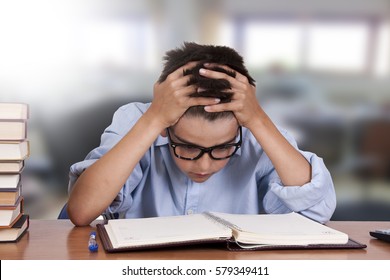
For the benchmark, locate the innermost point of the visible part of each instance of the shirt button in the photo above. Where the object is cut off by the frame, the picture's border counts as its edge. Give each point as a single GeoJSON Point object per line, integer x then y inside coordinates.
{"type": "Point", "coordinates": [189, 212]}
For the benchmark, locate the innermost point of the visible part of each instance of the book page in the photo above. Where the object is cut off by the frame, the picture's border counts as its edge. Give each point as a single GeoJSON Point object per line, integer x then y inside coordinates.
{"type": "Point", "coordinates": [12, 130]}
{"type": "Point", "coordinates": [9, 214]}
{"type": "Point", "coordinates": [13, 111]}
{"type": "Point", "coordinates": [159, 230]}
{"type": "Point", "coordinates": [281, 229]}
{"type": "Point", "coordinates": [9, 181]}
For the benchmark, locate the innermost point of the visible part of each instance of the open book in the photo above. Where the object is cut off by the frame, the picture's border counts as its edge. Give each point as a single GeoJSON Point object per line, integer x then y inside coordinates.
{"type": "Point", "coordinates": [247, 232]}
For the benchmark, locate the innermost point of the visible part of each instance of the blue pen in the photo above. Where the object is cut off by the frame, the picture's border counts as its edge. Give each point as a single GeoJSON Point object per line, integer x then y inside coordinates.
{"type": "Point", "coordinates": [92, 244]}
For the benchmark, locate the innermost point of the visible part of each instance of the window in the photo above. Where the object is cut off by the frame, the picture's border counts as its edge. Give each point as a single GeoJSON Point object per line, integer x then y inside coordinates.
{"type": "Point", "coordinates": [340, 45]}
{"type": "Point", "coordinates": [382, 58]}
{"type": "Point", "coordinates": [337, 46]}
{"type": "Point", "coordinates": [126, 43]}
{"type": "Point", "coordinates": [268, 43]}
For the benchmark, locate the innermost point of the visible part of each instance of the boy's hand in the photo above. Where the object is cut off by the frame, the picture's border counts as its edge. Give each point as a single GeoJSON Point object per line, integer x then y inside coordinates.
{"type": "Point", "coordinates": [171, 98]}
{"type": "Point", "coordinates": [243, 104]}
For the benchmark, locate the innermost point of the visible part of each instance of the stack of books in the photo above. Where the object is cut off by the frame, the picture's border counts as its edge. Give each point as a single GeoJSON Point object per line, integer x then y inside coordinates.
{"type": "Point", "coordinates": [14, 150]}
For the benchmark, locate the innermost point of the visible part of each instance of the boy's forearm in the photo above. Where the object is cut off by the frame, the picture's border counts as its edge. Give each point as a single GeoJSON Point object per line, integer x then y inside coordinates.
{"type": "Point", "coordinates": [98, 185]}
{"type": "Point", "coordinates": [291, 166]}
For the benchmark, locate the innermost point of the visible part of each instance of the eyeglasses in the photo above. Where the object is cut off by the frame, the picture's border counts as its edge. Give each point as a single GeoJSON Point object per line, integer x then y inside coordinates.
{"type": "Point", "coordinates": [193, 152]}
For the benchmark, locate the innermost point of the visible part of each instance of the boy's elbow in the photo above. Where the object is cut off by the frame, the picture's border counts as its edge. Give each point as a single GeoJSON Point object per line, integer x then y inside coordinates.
{"type": "Point", "coordinates": [78, 217]}
{"type": "Point", "coordinates": [79, 221]}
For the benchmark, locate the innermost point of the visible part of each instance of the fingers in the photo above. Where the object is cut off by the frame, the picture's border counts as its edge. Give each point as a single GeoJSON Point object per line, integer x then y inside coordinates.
{"type": "Point", "coordinates": [203, 101]}
{"type": "Point", "coordinates": [178, 73]}
{"type": "Point", "coordinates": [208, 71]}
{"type": "Point", "coordinates": [184, 98]}
{"type": "Point", "coordinates": [175, 89]}
{"type": "Point", "coordinates": [243, 100]}
{"type": "Point", "coordinates": [240, 82]}
{"type": "Point", "coordinates": [176, 80]}
{"type": "Point", "coordinates": [185, 92]}
{"type": "Point", "coordinates": [213, 108]}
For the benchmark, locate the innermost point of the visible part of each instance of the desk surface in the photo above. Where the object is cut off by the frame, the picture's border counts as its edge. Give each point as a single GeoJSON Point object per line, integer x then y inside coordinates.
{"type": "Point", "coordinates": [59, 240]}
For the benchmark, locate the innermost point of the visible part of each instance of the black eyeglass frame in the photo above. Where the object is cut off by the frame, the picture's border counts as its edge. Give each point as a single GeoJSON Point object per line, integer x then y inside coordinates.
{"type": "Point", "coordinates": [203, 150]}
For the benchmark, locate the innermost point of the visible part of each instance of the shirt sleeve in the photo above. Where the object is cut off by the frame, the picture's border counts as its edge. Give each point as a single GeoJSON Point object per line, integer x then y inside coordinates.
{"type": "Point", "coordinates": [123, 120]}
{"type": "Point", "coordinates": [316, 199]}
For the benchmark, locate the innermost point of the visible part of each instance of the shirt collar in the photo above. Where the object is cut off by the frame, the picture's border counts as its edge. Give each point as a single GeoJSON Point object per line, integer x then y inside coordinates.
{"type": "Point", "coordinates": [160, 141]}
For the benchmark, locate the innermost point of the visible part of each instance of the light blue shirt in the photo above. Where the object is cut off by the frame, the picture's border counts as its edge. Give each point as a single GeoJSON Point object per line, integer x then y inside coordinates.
{"type": "Point", "coordinates": [248, 184]}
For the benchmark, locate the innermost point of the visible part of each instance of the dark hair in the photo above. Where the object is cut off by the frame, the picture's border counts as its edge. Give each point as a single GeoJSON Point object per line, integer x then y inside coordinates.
{"type": "Point", "coordinates": [217, 88]}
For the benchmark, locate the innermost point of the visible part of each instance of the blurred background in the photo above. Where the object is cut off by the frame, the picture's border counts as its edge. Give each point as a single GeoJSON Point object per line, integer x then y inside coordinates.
{"type": "Point", "coordinates": [322, 70]}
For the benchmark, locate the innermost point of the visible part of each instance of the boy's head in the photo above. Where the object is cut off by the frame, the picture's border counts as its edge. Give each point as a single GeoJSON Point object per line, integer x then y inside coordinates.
{"type": "Point", "coordinates": [216, 88]}
{"type": "Point", "coordinates": [216, 134]}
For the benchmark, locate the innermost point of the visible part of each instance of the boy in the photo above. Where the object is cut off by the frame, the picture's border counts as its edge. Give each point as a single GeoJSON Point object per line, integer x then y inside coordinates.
{"type": "Point", "coordinates": [203, 144]}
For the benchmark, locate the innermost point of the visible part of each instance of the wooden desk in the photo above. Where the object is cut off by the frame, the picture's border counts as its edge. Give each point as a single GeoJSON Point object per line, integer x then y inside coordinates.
{"type": "Point", "coordinates": [59, 240]}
